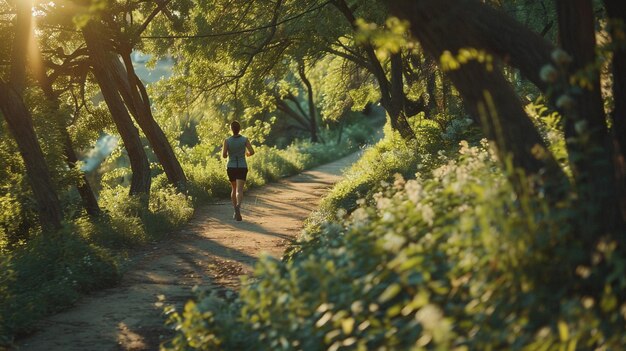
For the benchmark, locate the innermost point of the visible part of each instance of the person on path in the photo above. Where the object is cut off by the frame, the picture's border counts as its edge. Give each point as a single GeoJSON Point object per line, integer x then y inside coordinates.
{"type": "Point", "coordinates": [236, 148]}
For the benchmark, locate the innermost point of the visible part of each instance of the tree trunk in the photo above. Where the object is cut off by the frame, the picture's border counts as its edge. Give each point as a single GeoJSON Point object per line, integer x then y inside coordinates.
{"type": "Point", "coordinates": [446, 92]}
{"type": "Point", "coordinates": [586, 134]}
{"type": "Point", "coordinates": [340, 134]}
{"type": "Point", "coordinates": [487, 95]}
{"type": "Point", "coordinates": [497, 33]}
{"type": "Point", "coordinates": [505, 37]}
{"type": "Point", "coordinates": [312, 114]}
{"type": "Point", "coordinates": [140, 182]}
{"type": "Point", "coordinates": [20, 124]}
{"type": "Point", "coordinates": [21, 38]}
{"type": "Point", "coordinates": [282, 105]}
{"type": "Point", "coordinates": [431, 84]}
{"type": "Point", "coordinates": [616, 12]}
{"type": "Point", "coordinates": [397, 100]}
{"type": "Point", "coordinates": [84, 188]}
{"type": "Point", "coordinates": [90, 203]}
{"type": "Point", "coordinates": [398, 120]}
{"type": "Point", "coordinates": [136, 97]}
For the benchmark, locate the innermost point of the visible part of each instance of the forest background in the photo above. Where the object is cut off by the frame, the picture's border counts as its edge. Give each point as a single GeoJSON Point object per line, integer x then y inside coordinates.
{"type": "Point", "coordinates": [490, 215]}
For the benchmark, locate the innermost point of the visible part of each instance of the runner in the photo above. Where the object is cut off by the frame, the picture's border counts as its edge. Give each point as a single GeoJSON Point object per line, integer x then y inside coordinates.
{"type": "Point", "coordinates": [236, 148]}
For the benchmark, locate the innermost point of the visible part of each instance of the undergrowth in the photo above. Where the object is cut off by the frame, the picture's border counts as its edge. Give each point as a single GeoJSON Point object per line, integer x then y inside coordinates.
{"type": "Point", "coordinates": [42, 274]}
{"type": "Point", "coordinates": [445, 258]}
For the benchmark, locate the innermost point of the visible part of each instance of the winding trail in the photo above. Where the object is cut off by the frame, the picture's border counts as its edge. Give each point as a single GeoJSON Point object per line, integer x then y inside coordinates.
{"type": "Point", "coordinates": [212, 251]}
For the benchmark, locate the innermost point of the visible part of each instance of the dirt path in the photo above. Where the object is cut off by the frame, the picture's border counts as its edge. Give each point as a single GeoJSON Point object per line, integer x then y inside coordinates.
{"type": "Point", "coordinates": [212, 250]}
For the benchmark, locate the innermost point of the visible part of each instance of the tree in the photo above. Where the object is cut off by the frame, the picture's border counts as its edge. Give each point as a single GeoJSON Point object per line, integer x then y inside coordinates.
{"type": "Point", "coordinates": [100, 54]}
{"type": "Point", "coordinates": [20, 124]}
{"type": "Point", "coordinates": [486, 93]}
{"type": "Point", "coordinates": [137, 100]}
{"type": "Point", "coordinates": [586, 133]}
{"type": "Point", "coordinates": [90, 203]}
{"type": "Point", "coordinates": [219, 50]}
{"type": "Point", "coordinates": [392, 91]}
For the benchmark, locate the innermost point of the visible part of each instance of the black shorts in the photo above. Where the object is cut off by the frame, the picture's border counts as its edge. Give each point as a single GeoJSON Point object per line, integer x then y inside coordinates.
{"type": "Point", "coordinates": [236, 173]}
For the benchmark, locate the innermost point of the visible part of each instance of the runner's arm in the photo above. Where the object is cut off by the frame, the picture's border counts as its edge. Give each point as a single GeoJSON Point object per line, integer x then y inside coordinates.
{"type": "Point", "coordinates": [225, 149]}
{"type": "Point", "coordinates": [250, 149]}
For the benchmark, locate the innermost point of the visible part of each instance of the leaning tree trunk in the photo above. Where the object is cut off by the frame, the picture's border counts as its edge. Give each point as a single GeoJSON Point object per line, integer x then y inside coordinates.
{"type": "Point", "coordinates": [588, 143]}
{"type": "Point", "coordinates": [312, 115]}
{"type": "Point", "coordinates": [140, 182]}
{"type": "Point", "coordinates": [20, 124]}
{"type": "Point", "coordinates": [282, 105]}
{"type": "Point", "coordinates": [487, 95]}
{"type": "Point", "coordinates": [90, 203]}
{"type": "Point", "coordinates": [616, 12]}
{"type": "Point", "coordinates": [136, 98]}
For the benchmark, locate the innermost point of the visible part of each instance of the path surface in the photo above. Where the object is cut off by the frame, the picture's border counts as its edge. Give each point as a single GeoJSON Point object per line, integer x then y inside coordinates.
{"type": "Point", "coordinates": [212, 250]}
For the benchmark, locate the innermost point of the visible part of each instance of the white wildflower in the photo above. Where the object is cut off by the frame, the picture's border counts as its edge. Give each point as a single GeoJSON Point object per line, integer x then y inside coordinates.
{"type": "Point", "coordinates": [464, 147]}
{"type": "Point", "coordinates": [588, 302]}
{"type": "Point", "coordinates": [413, 191]}
{"type": "Point", "coordinates": [399, 181]}
{"type": "Point", "coordinates": [429, 316]}
{"type": "Point", "coordinates": [383, 203]}
{"type": "Point", "coordinates": [428, 215]}
{"type": "Point", "coordinates": [393, 242]}
{"type": "Point", "coordinates": [388, 217]}
{"type": "Point", "coordinates": [341, 213]}
{"type": "Point", "coordinates": [360, 216]}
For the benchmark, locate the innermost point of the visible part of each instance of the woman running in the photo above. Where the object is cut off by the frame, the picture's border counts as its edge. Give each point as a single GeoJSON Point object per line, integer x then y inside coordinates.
{"type": "Point", "coordinates": [236, 148]}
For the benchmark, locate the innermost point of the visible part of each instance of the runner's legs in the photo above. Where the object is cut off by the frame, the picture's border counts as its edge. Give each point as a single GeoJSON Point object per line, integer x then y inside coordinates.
{"type": "Point", "coordinates": [239, 194]}
{"type": "Point", "coordinates": [233, 192]}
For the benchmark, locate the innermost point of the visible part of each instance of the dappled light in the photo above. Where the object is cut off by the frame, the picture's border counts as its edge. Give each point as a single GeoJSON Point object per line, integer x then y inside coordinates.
{"type": "Point", "coordinates": [312, 175]}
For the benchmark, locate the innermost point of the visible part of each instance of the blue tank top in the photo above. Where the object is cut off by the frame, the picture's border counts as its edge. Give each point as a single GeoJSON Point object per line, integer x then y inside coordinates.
{"type": "Point", "coordinates": [236, 151]}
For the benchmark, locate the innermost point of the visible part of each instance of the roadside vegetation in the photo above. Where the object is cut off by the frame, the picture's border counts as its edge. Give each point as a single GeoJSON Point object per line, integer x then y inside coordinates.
{"type": "Point", "coordinates": [43, 274]}
{"type": "Point", "coordinates": [491, 215]}
{"type": "Point", "coordinates": [417, 249]}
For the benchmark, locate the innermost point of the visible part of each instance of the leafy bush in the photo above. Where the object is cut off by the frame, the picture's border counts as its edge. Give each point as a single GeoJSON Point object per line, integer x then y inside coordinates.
{"type": "Point", "coordinates": [389, 156]}
{"type": "Point", "coordinates": [48, 274]}
{"type": "Point", "coordinates": [45, 274]}
{"type": "Point", "coordinates": [168, 209]}
{"type": "Point", "coordinates": [450, 260]}
{"type": "Point", "coordinates": [207, 172]}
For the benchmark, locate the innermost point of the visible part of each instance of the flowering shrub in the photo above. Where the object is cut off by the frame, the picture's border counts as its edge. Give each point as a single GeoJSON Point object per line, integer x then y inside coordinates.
{"type": "Point", "coordinates": [448, 260]}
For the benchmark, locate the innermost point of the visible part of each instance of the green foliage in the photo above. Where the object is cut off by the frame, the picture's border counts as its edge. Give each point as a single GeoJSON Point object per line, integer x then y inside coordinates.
{"type": "Point", "coordinates": [169, 204]}
{"type": "Point", "coordinates": [389, 156]}
{"type": "Point", "coordinates": [207, 173]}
{"type": "Point", "coordinates": [450, 259]}
{"type": "Point", "coordinates": [7, 278]}
{"type": "Point", "coordinates": [549, 123]}
{"type": "Point", "coordinates": [48, 274]}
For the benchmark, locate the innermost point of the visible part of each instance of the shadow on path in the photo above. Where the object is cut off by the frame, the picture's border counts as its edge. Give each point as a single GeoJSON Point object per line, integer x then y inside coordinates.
{"type": "Point", "coordinates": [211, 251]}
